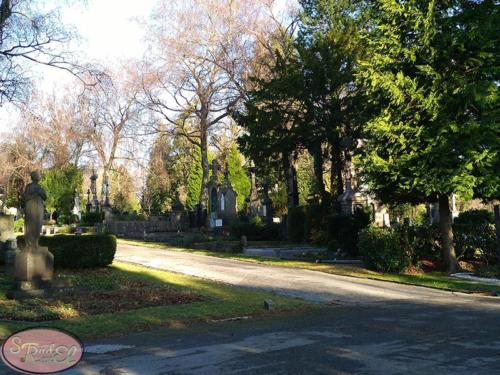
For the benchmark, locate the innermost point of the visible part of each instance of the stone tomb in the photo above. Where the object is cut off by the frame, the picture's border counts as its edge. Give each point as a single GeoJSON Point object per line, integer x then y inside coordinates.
{"type": "Point", "coordinates": [222, 200]}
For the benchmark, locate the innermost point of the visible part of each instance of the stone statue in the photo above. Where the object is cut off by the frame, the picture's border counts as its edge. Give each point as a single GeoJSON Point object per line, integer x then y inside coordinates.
{"type": "Point", "coordinates": [34, 265]}
{"type": "Point", "coordinates": [33, 199]}
{"type": "Point", "coordinates": [76, 207]}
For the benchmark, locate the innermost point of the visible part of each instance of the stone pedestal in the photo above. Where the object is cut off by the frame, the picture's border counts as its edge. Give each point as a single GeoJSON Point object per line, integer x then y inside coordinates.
{"type": "Point", "coordinates": [33, 272]}
{"type": "Point", "coordinates": [10, 261]}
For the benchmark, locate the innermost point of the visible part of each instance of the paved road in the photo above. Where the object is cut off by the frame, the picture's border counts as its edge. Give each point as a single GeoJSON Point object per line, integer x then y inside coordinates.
{"type": "Point", "coordinates": [309, 285]}
{"type": "Point", "coordinates": [393, 338]}
{"type": "Point", "coordinates": [376, 328]}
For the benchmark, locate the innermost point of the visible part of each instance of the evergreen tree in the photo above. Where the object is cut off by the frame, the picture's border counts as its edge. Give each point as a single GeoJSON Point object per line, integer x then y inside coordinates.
{"type": "Point", "coordinates": [432, 69]}
{"type": "Point", "coordinates": [238, 176]}
{"type": "Point", "coordinates": [309, 100]}
{"type": "Point", "coordinates": [156, 194]}
{"type": "Point", "coordinates": [195, 180]}
{"type": "Point", "coordinates": [60, 185]}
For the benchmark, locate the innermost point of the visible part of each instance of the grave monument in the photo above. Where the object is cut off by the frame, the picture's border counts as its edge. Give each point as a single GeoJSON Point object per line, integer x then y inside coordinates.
{"type": "Point", "coordinates": [34, 265]}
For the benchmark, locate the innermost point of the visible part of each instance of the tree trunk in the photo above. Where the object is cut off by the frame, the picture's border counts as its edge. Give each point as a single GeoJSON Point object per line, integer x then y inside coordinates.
{"type": "Point", "coordinates": [336, 179]}
{"type": "Point", "coordinates": [291, 182]}
{"type": "Point", "coordinates": [318, 173]}
{"type": "Point", "coordinates": [497, 225]}
{"type": "Point", "coordinates": [205, 169]}
{"type": "Point", "coordinates": [446, 230]}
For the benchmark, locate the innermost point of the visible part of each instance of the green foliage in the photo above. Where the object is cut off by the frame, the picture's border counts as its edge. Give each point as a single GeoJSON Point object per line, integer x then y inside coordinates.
{"type": "Point", "coordinates": [436, 129]}
{"type": "Point", "coordinates": [295, 223]}
{"type": "Point", "coordinates": [123, 191]}
{"type": "Point", "coordinates": [475, 217]}
{"type": "Point", "coordinates": [422, 241]}
{"type": "Point", "coordinates": [305, 177]}
{"type": "Point", "coordinates": [60, 185]}
{"type": "Point", "coordinates": [155, 197]}
{"type": "Point", "coordinates": [194, 183]}
{"type": "Point", "coordinates": [238, 176]}
{"type": "Point", "coordinates": [489, 272]}
{"type": "Point", "coordinates": [308, 98]}
{"type": "Point", "coordinates": [474, 241]}
{"type": "Point", "coordinates": [19, 226]}
{"type": "Point", "coordinates": [66, 229]}
{"type": "Point", "coordinates": [132, 216]}
{"type": "Point", "coordinates": [344, 230]}
{"type": "Point", "coordinates": [87, 251]}
{"type": "Point", "coordinates": [256, 231]}
{"type": "Point", "coordinates": [92, 218]}
{"type": "Point", "coordinates": [315, 224]}
{"type": "Point", "coordinates": [382, 251]}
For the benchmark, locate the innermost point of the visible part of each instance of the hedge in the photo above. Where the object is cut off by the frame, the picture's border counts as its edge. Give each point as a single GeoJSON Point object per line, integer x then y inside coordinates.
{"type": "Point", "coordinates": [87, 251]}
{"type": "Point", "coordinates": [382, 250]}
{"type": "Point", "coordinates": [472, 241]}
{"type": "Point", "coordinates": [343, 230]}
{"type": "Point", "coordinates": [296, 224]}
{"type": "Point", "coordinates": [256, 231]}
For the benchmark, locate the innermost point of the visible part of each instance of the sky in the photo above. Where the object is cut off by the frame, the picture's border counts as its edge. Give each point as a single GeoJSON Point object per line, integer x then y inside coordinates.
{"type": "Point", "coordinates": [109, 31]}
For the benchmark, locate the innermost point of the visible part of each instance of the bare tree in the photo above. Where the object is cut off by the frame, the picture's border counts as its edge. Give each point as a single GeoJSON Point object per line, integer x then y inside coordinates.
{"type": "Point", "coordinates": [19, 156]}
{"type": "Point", "coordinates": [30, 34]}
{"type": "Point", "coordinates": [61, 125]}
{"type": "Point", "coordinates": [202, 50]}
{"type": "Point", "coordinates": [115, 115]}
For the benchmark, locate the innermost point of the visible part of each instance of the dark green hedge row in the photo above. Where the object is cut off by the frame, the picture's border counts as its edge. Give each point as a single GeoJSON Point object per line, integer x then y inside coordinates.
{"type": "Point", "coordinates": [256, 231]}
{"type": "Point", "coordinates": [87, 251]}
{"type": "Point", "coordinates": [393, 249]}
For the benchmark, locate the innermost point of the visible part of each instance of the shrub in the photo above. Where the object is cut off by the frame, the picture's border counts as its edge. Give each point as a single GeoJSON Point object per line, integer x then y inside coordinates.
{"type": "Point", "coordinates": [66, 229]}
{"type": "Point", "coordinates": [421, 241]}
{"type": "Point", "coordinates": [92, 218]}
{"type": "Point", "coordinates": [475, 217]}
{"type": "Point", "coordinates": [474, 241]}
{"type": "Point", "coordinates": [188, 239]}
{"type": "Point", "coordinates": [19, 226]}
{"type": "Point", "coordinates": [315, 226]}
{"type": "Point", "coordinates": [256, 231]}
{"type": "Point", "coordinates": [79, 251]}
{"type": "Point", "coordinates": [344, 229]}
{"type": "Point", "coordinates": [489, 272]}
{"type": "Point", "coordinates": [382, 250]}
{"type": "Point", "coordinates": [295, 223]}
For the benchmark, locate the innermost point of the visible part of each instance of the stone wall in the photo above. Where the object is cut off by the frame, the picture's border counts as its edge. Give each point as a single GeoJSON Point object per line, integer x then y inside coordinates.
{"type": "Point", "coordinates": [173, 222]}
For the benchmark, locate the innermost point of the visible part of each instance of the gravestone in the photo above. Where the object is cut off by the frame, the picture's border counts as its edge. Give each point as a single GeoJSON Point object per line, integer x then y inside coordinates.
{"type": "Point", "coordinates": [228, 209]}
{"type": "Point", "coordinates": [267, 205]}
{"type": "Point", "coordinates": [6, 233]}
{"type": "Point", "coordinates": [76, 206]}
{"type": "Point", "coordinates": [34, 265]}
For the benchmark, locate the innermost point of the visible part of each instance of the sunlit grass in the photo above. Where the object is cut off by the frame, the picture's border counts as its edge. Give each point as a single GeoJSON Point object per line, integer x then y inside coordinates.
{"type": "Point", "coordinates": [221, 301]}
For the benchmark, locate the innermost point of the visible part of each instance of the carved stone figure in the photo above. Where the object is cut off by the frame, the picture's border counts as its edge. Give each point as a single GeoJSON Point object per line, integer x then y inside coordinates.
{"type": "Point", "coordinates": [34, 265]}
{"type": "Point", "coordinates": [33, 199]}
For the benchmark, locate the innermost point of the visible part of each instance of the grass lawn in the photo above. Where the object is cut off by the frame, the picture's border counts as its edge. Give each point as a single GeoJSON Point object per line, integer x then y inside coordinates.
{"type": "Point", "coordinates": [125, 298]}
{"type": "Point", "coordinates": [437, 280]}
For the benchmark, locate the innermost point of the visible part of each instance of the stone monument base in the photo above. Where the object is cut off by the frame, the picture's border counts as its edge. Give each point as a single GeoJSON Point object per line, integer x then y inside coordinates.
{"type": "Point", "coordinates": [33, 272]}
